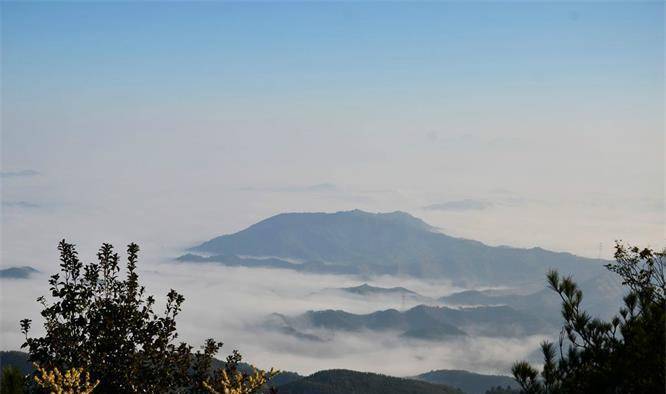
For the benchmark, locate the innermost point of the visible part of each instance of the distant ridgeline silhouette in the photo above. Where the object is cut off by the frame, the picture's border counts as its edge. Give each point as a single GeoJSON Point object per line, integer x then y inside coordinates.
{"type": "Point", "coordinates": [358, 242]}
{"type": "Point", "coordinates": [431, 323]}
{"type": "Point", "coordinates": [18, 272]}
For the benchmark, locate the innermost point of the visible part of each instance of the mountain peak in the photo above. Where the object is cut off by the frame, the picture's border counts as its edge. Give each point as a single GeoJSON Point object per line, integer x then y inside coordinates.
{"type": "Point", "coordinates": [399, 217]}
{"type": "Point", "coordinates": [391, 243]}
{"type": "Point", "coordinates": [304, 230]}
{"type": "Point", "coordinates": [18, 272]}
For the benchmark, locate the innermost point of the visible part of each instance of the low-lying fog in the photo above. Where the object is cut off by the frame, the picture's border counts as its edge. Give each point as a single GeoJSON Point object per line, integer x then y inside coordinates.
{"type": "Point", "coordinates": [230, 303]}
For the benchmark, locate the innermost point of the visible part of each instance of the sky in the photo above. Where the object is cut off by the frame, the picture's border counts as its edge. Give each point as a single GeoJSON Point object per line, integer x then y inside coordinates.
{"type": "Point", "coordinates": [169, 123]}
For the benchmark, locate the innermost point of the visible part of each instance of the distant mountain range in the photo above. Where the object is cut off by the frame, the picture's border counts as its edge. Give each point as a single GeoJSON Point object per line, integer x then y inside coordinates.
{"type": "Point", "coordinates": [422, 322]}
{"type": "Point", "coordinates": [602, 294]}
{"type": "Point", "coordinates": [16, 359]}
{"type": "Point", "coordinates": [358, 242]}
{"type": "Point", "coordinates": [366, 289]}
{"type": "Point", "coordinates": [342, 381]}
{"type": "Point", "coordinates": [601, 297]}
{"type": "Point", "coordinates": [18, 272]}
{"type": "Point", "coordinates": [469, 382]}
{"type": "Point", "coordinates": [389, 294]}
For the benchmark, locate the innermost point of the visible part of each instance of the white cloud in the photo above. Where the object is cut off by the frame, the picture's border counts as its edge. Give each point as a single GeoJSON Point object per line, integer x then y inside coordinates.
{"type": "Point", "coordinates": [230, 303]}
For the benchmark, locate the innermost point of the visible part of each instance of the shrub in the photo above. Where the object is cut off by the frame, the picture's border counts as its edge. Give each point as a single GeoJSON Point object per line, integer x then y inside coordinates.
{"type": "Point", "coordinates": [104, 323]}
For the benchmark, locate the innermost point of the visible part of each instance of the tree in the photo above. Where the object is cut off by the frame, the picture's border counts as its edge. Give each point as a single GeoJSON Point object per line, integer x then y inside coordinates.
{"type": "Point", "coordinates": [108, 326]}
{"type": "Point", "coordinates": [11, 381]}
{"type": "Point", "coordinates": [625, 355]}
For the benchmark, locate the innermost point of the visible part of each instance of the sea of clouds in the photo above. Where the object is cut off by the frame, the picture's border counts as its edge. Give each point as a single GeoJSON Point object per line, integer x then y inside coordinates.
{"type": "Point", "coordinates": [232, 303]}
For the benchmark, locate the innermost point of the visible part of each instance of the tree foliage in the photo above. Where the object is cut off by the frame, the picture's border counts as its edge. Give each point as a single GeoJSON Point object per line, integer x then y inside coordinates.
{"type": "Point", "coordinates": [105, 323]}
{"type": "Point", "coordinates": [625, 355]}
{"type": "Point", "coordinates": [73, 381]}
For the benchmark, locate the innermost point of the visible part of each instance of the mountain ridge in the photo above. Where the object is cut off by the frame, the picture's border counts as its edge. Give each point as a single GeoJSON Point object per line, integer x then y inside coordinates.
{"type": "Point", "coordinates": [469, 382]}
{"type": "Point", "coordinates": [396, 243]}
{"type": "Point", "coordinates": [343, 381]}
{"type": "Point", "coordinates": [23, 272]}
{"type": "Point", "coordinates": [423, 322]}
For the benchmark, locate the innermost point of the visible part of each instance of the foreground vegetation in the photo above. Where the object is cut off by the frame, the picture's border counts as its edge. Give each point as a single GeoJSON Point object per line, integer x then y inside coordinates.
{"type": "Point", "coordinates": [625, 355]}
{"type": "Point", "coordinates": [100, 324]}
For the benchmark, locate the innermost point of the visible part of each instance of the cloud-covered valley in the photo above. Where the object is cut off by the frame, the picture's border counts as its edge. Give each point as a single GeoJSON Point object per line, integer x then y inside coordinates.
{"type": "Point", "coordinates": [232, 303]}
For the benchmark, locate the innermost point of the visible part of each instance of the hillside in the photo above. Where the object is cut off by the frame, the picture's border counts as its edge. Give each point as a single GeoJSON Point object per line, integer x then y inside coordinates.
{"type": "Point", "coordinates": [469, 382]}
{"type": "Point", "coordinates": [16, 359]}
{"type": "Point", "coordinates": [340, 381]}
{"type": "Point", "coordinates": [19, 360]}
{"type": "Point", "coordinates": [358, 242]}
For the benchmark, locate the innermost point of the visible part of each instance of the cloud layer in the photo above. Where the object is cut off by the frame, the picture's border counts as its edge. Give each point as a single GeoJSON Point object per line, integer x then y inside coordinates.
{"type": "Point", "coordinates": [460, 205]}
{"type": "Point", "coordinates": [231, 303]}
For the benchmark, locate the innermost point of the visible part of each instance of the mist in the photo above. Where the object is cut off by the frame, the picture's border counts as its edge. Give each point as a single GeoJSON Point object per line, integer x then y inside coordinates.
{"type": "Point", "coordinates": [232, 303]}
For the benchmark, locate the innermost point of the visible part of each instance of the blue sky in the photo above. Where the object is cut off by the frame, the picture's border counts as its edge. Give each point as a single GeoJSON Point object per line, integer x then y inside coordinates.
{"type": "Point", "coordinates": [294, 50]}
{"type": "Point", "coordinates": [215, 115]}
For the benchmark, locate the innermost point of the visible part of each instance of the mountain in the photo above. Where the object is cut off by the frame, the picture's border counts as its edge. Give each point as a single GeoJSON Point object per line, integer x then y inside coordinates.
{"type": "Point", "coordinates": [421, 322]}
{"type": "Point", "coordinates": [273, 262]}
{"type": "Point", "coordinates": [366, 291]}
{"type": "Point", "coordinates": [469, 382]}
{"type": "Point", "coordinates": [493, 321]}
{"type": "Point", "coordinates": [544, 304]}
{"type": "Point", "coordinates": [358, 242]}
{"type": "Point", "coordinates": [16, 359]}
{"type": "Point", "coordinates": [235, 261]}
{"type": "Point", "coordinates": [387, 320]}
{"type": "Point", "coordinates": [341, 381]}
{"type": "Point", "coordinates": [436, 332]}
{"type": "Point", "coordinates": [281, 378]}
{"type": "Point", "coordinates": [601, 295]}
{"type": "Point", "coordinates": [17, 272]}
{"type": "Point", "coordinates": [280, 323]}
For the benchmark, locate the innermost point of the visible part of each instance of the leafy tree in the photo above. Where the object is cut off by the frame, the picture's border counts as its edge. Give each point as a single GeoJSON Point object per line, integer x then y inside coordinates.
{"type": "Point", "coordinates": [106, 324]}
{"type": "Point", "coordinates": [625, 355]}
{"type": "Point", "coordinates": [11, 381]}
